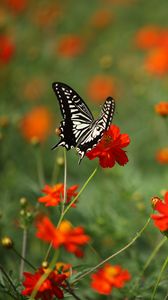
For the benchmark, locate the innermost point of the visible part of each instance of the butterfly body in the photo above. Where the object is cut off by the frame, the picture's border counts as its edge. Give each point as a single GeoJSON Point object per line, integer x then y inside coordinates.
{"type": "Point", "coordinates": [78, 128]}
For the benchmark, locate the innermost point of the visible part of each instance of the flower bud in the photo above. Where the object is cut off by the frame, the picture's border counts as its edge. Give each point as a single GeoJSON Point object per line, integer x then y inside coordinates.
{"type": "Point", "coordinates": [44, 264]}
{"type": "Point", "coordinates": [154, 200]}
{"type": "Point", "coordinates": [35, 141]}
{"type": "Point", "coordinates": [23, 201]}
{"type": "Point", "coordinates": [60, 161]}
{"type": "Point", "coordinates": [7, 242]}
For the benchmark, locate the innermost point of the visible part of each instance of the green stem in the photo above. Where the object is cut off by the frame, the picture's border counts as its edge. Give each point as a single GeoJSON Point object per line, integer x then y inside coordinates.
{"type": "Point", "coordinates": [65, 181]}
{"type": "Point", "coordinates": [44, 276]}
{"type": "Point", "coordinates": [23, 253]}
{"type": "Point", "coordinates": [40, 169]}
{"type": "Point", "coordinates": [77, 196]}
{"type": "Point", "coordinates": [115, 254]}
{"type": "Point", "coordinates": [151, 257]}
{"type": "Point", "coordinates": [159, 277]}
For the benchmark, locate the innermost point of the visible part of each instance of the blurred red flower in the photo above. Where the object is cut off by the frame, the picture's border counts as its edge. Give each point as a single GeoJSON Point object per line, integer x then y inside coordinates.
{"type": "Point", "coordinates": [71, 46]}
{"type": "Point", "coordinates": [101, 19]}
{"type": "Point", "coordinates": [72, 238]}
{"type": "Point", "coordinates": [17, 5]}
{"type": "Point", "coordinates": [148, 37]}
{"type": "Point", "coordinates": [109, 149]}
{"type": "Point", "coordinates": [36, 124]}
{"type": "Point", "coordinates": [161, 220]}
{"type": "Point", "coordinates": [162, 156]}
{"type": "Point", "coordinates": [55, 194]}
{"type": "Point", "coordinates": [157, 61]}
{"type": "Point", "coordinates": [50, 288]}
{"type": "Point", "coordinates": [161, 108]}
{"type": "Point", "coordinates": [7, 49]}
{"type": "Point", "coordinates": [100, 87]}
{"type": "Point", "coordinates": [105, 279]}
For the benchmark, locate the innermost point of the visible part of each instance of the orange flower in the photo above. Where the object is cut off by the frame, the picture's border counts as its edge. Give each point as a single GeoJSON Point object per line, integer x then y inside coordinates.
{"type": "Point", "coordinates": [36, 124]}
{"type": "Point", "coordinates": [101, 19]}
{"type": "Point", "coordinates": [161, 108]}
{"type": "Point", "coordinates": [55, 194]}
{"type": "Point", "coordinates": [63, 268]}
{"type": "Point", "coordinates": [148, 37]}
{"type": "Point", "coordinates": [7, 49]}
{"type": "Point", "coordinates": [71, 45]}
{"type": "Point", "coordinates": [72, 238]}
{"type": "Point", "coordinates": [101, 87]}
{"type": "Point", "coordinates": [157, 61]}
{"type": "Point", "coordinates": [17, 5]}
{"type": "Point", "coordinates": [108, 277]}
{"type": "Point", "coordinates": [162, 156]}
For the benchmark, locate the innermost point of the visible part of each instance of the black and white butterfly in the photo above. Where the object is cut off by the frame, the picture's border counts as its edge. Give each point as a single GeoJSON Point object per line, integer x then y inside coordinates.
{"type": "Point", "coordinates": [78, 128]}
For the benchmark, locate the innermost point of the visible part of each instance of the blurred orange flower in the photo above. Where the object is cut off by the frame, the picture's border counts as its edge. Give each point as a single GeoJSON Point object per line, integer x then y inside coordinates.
{"type": "Point", "coordinates": [36, 124]}
{"type": "Point", "coordinates": [161, 219]}
{"type": "Point", "coordinates": [157, 61]}
{"type": "Point", "coordinates": [147, 37]}
{"type": "Point", "coordinates": [34, 89]}
{"type": "Point", "coordinates": [71, 45]}
{"type": "Point", "coordinates": [100, 87]}
{"type": "Point", "coordinates": [17, 5]}
{"type": "Point", "coordinates": [55, 194]}
{"type": "Point", "coordinates": [108, 277]}
{"type": "Point", "coordinates": [162, 156]}
{"type": "Point", "coordinates": [161, 108]}
{"type": "Point", "coordinates": [101, 19]}
{"type": "Point", "coordinates": [72, 238]}
{"type": "Point", "coordinates": [7, 49]}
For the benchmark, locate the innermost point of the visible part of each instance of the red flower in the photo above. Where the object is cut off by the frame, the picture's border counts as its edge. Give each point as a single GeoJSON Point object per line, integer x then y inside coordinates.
{"type": "Point", "coordinates": [148, 37]}
{"type": "Point", "coordinates": [157, 61]}
{"type": "Point", "coordinates": [71, 46]}
{"type": "Point", "coordinates": [72, 238]}
{"type": "Point", "coordinates": [7, 49]}
{"type": "Point", "coordinates": [49, 288]}
{"type": "Point", "coordinates": [55, 194]}
{"type": "Point", "coordinates": [17, 5]}
{"type": "Point", "coordinates": [109, 149]}
{"type": "Point", "coordinates": [161, 220]}
{"type": "Point", "coordinates": [108, 277]}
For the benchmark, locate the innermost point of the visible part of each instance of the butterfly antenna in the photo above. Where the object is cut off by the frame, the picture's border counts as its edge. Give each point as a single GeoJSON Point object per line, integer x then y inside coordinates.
{"type": "Point", "coordinates": [55, 146]}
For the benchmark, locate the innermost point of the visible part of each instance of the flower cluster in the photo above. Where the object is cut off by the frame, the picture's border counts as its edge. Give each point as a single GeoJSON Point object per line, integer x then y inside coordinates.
{"type": "Point", "coordinates": [109, 149]}
{"type": "Point", "coordinates": [72, 238]}
{"type": "Point", "coordinates": [109, 277]}
{"type": "Point", "coordinates": [154, 40]}
{"type": "Point", "coordinates": [55, 194]}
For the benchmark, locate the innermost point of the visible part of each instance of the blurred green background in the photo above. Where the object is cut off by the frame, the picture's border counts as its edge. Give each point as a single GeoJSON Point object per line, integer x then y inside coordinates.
{"type": "Point", "coordinates": [116, 203]}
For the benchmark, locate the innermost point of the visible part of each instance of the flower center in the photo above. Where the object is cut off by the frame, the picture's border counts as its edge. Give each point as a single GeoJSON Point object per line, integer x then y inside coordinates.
{"type": "Point", "coordinates": [107, 140]}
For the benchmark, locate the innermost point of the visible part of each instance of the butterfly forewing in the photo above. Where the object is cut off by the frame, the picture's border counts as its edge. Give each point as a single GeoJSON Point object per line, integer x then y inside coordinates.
{"type": "Point", "coordinates": [76, 115]}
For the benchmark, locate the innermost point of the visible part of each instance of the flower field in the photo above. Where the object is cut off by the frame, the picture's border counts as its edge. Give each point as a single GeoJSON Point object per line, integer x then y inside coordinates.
{"type": "Point", "coordinates": [89, 222]}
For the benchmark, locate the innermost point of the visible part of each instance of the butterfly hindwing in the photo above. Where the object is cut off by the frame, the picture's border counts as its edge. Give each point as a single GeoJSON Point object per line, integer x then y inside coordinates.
{"type": "Point", "coordinates": [99, 126]}
{"type": "Point", "coordinates": [78, 127]}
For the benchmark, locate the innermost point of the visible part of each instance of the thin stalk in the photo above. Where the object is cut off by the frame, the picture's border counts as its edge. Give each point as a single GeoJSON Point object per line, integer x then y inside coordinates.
{"type": "Point", "coordinates": [115, 254]}
{"type": "Point", "coordinates": [40, 169]}
{"type": "Point", "coordinates": [65, 181]}
{"type": "Point", "coordinates": [26, 261]}
{"type": "Point", "coordinates": [151, 257]}
{"type": "Point", "coordinates": [8, 278]}
{"type": "Point", "coordinates": [23, 254]}
{"type": "Point", "coordinates": [77, 196]}
{"type": "Point", "coordinates": [44, 276]}
{"type": "Point", "coordinates": [159, 277]}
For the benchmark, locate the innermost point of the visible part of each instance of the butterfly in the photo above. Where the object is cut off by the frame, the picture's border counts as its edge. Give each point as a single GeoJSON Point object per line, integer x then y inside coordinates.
{"type": "Point", "coordinates": [79, 129]}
